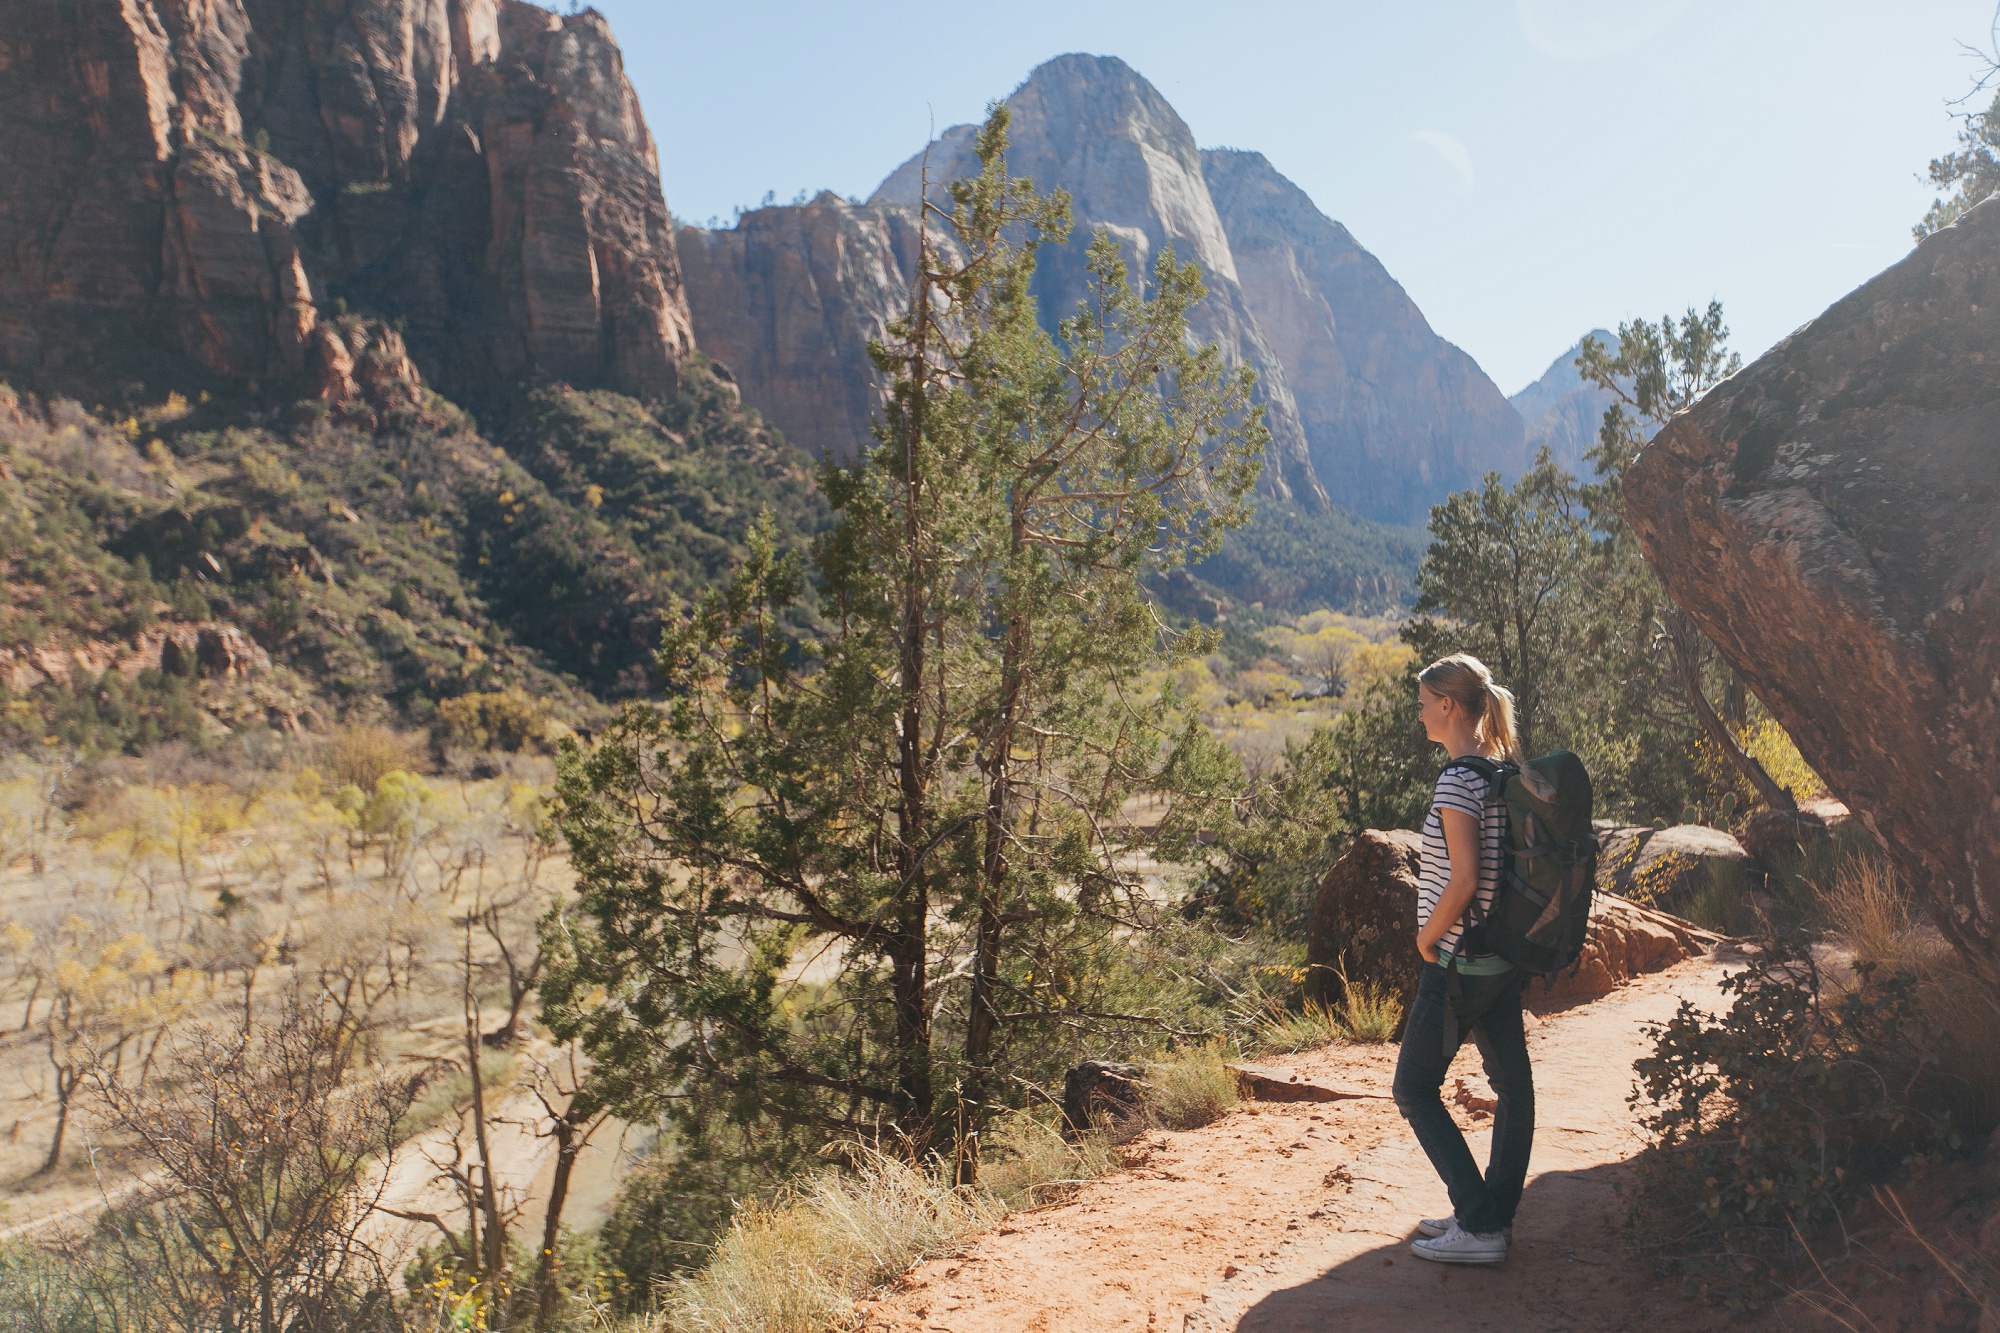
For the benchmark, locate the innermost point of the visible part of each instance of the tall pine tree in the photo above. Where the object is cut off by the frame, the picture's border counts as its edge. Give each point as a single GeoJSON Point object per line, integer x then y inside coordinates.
{"type": "Point", "coordinates": [859, 882]}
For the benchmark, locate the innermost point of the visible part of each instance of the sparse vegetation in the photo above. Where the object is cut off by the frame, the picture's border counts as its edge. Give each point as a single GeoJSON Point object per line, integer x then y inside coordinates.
{"type": "Point", "coordinates": [797, 1263]}
{"type": "Point", "coordinates": [1766, 1122]}
{"type": "Point", "coordinates": [1190, 1087]}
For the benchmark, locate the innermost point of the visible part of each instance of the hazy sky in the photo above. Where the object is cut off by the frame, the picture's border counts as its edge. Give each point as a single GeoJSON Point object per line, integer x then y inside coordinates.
{"type": "Point", "coordinates": [1527, 168]}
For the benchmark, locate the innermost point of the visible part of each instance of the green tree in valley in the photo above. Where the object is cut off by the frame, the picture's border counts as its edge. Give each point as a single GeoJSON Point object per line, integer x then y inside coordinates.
{"type": "Point", "coordinates": [1372, 768]}
{"type": "Point", "coordinates": [1508, 578]}
{"type": "Point", "coordinates": [827, 882]}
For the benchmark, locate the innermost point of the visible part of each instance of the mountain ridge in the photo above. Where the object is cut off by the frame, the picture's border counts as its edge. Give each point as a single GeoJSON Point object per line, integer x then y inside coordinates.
{"type": "Point", "coordinates": [1094, 127]}
{"type": "Point", "coordinates": [1560, 412]}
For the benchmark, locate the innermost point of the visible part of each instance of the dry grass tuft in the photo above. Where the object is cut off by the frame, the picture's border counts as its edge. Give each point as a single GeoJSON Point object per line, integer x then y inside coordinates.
{"type": "Point", "coordinates": [1869, 908]}
{"type": "Point", "coordinates": [797, 1265]}
{"type": "Point", "coordinates": [1190, 1088]}
{"type": "Point", "coordinates": [1032, 1164]}
{"type": "Point", "coordinates": [1371, 1012]}
{"type": "Point", "coordinates": [1872, 912]}
{"type": "Point", "coordinates": [1368, 1012]}
{"type": "Point", "coordinates": [1284, 1031]}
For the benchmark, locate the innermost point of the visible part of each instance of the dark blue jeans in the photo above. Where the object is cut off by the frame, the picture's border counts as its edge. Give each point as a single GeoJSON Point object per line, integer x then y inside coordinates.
{"type": "Point", "coordinates": [1489, 1008]}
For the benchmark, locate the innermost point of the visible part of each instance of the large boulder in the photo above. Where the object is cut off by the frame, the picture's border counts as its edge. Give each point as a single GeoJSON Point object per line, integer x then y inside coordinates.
{"type": "Point", "coordinates": [1364, 922]}
{"type": "Point", "coordinates": [1364, 927]}
{"type": "Point", "coordinates": [1671, 867]}
{"type": "Point", "coordinates": [1828, 517]}
{"type": "Point", "coordinates": [1100, 1090]}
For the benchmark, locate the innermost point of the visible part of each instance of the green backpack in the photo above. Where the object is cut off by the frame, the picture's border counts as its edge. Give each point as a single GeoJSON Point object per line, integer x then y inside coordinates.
{"type": "Point", "coordinates": [1541, 907]}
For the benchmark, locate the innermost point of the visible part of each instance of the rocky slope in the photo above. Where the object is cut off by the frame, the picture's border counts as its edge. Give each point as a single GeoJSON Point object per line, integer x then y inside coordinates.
{"type": "Point", "coordinates": [257, 238]}
{"type": "Point", "coordinates": [1395, 417]}
{"type": "Point", "coordinates": [1562, 414]}
{"type": "Point", "coordinates": [211, 174]}
{"type": "Point", "coordinates": [1830, 517]}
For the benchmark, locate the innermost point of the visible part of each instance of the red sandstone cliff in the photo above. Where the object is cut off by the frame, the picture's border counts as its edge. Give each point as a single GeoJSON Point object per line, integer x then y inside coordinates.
{"type": "Point", "coordinates": [788, 299]}
{"type": "Point", "coordinates": [207, 174]}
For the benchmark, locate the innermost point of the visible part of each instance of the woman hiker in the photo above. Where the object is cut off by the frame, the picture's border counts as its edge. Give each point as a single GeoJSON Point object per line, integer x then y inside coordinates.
{"type": "Point", "coordinates": [1462, 992]}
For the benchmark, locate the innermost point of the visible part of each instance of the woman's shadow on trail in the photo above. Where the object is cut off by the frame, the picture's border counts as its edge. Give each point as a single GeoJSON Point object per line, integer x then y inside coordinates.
{"type": "Point", "coordinates": [1568, 1268]}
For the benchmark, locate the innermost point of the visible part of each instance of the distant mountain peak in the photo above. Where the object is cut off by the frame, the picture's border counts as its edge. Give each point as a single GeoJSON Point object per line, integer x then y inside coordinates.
{"type": "Point", "coordinates": [1560, 411]}
{"type": "Point", "coordinates": [1368, 408]}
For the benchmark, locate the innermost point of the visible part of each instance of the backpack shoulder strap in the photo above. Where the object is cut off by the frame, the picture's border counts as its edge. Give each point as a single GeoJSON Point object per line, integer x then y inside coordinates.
{"type": "Point", "coordinates": [1496, 774]}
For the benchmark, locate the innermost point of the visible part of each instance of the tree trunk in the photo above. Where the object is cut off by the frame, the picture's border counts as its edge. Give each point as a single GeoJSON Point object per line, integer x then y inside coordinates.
{"type": "Point", "coordinates": [66, 1081]}
{"type": "Point", "coordinates": [908, 954]}
{"type": "Point", "coordinates": [495, 1256]}
{"type": "Point", "coordinates": [569, 1142]}
{"type": "Point", "coordinates": [1681, 637]}
{"type": "Point", "coordinates": [982, 1018]}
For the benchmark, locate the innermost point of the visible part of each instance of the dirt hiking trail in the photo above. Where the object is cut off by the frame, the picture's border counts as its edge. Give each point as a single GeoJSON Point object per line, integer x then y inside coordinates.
{"type": "Point", "coordinates": [1298, 1215]}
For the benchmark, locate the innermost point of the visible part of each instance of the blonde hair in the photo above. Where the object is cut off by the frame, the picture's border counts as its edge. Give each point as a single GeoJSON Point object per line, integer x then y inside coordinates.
{"type": "Point", "coordinates": [1464, 680]}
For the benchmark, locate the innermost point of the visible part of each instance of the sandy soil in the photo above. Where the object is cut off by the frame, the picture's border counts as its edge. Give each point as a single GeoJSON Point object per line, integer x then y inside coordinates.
{"type": "Point", "coordinates": [1298, 1216]}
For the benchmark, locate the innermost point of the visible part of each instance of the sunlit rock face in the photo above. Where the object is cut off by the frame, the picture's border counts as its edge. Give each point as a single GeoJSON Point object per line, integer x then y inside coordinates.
{"type": "Point", "coordinates": [1395, 417]}
{"type": "Point", "coordinates": [1093, 126]}
{"type": "Point", "coordinates": [1830, 517]}
{"type": "Point", "coordinates": [788, 299]}
{"type": "Point", "coordinates": [211, 174]}
{"type": "Point", "coordinates": [1368, 408]}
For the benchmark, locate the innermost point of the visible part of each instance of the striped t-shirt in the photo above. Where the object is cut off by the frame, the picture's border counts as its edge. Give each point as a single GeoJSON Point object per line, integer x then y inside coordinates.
{"type": "Point", "coordinates": [1459, 788]}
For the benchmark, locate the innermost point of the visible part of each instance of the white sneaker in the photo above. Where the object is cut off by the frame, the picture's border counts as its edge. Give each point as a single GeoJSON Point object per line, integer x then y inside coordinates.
{"type": "Point", "coordinates": [1459, 1246]}
{"type": "Point", "coordinates": [1439, 1226]}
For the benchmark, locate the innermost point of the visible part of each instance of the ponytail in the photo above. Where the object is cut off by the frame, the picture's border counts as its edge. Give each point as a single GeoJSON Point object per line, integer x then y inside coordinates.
{"type": "Point", "coordinates": [1465, 680]}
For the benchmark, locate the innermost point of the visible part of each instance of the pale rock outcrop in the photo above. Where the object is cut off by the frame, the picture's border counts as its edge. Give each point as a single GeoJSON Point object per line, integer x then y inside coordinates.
{"type": "Point", "coordinates": [210, 173]}
{"type": "Point", "coordinates": [1672, 865]}
{"type": "Point", "coordinates": [363, 371]}
{"type": "Point", "coordinates": [1395, 417]}
{"type": "Point", "coordinates": [210, 649]}
{"type": "Point", "coordinates": [1830, 517]}
{"type": "Point", "coordinates": [1093, 126]}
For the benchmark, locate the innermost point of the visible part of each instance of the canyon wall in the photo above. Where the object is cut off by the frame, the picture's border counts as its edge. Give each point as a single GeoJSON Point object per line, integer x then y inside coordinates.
{"type": "Point", "coordinates": [788, 299]}
{"type": "Point", "coordinates": [207, 175]}
{"type": "Point", "coordinates": [1395, 417]}
{"type": "Point", "coordinates": [1562, 414]}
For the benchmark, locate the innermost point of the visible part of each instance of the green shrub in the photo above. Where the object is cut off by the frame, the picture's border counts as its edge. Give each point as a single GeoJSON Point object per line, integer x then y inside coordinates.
{"type": "Point", "coordinates": [1766, 1121]}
